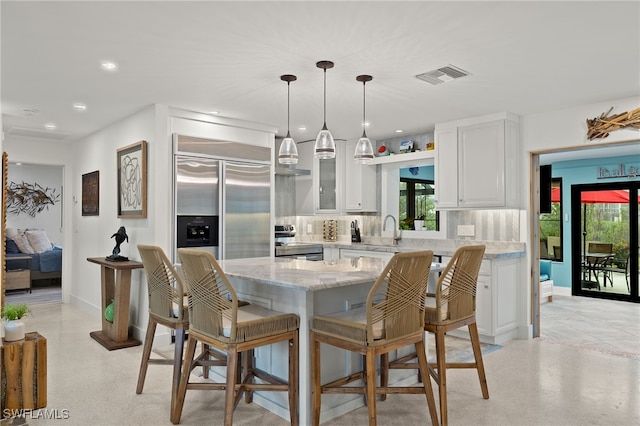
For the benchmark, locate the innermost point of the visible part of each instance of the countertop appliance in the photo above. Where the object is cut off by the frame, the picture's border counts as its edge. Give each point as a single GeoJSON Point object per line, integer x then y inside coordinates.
{"type": "Point", "coordinates": [287, 246]}
{"type": "Point", "coordinates": [222, 202]}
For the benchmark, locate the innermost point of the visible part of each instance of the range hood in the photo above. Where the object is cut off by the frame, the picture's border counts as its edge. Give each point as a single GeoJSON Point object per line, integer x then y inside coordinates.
{"type": "Point", "coordinates": [291, 171]}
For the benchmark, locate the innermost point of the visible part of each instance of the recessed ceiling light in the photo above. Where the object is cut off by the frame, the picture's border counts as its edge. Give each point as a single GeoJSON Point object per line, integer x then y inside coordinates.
{"type": "Point", "coordinates": [214, 112]}
{"type": "Point", "coordinates": [79, 106]}
{"type": "Point", "coordinates": [302, 128]}
{"type": "Point", "coordinates": [399, 131]}
{"type": "Point", "coordinates": [109, 66]}
{"type": "Point", "coordinates": [50, 126]}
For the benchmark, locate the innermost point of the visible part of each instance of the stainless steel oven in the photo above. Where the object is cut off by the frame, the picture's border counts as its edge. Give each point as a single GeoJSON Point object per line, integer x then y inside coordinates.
{"type": "Point", "coordinates": [286, 246]}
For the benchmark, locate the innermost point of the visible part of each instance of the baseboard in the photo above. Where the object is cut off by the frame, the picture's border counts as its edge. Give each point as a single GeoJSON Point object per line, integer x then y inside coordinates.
{"type": "Point", "coordinates": [561, 291]}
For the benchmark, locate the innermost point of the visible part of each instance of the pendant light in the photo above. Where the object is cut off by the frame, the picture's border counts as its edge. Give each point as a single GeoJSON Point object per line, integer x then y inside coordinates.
{"type": "Point", "coordinates": [288, 153]}
{"type": "Point", "coordinates": [325, 147]}
{"type": "Point", "coordinates": [364, 150]}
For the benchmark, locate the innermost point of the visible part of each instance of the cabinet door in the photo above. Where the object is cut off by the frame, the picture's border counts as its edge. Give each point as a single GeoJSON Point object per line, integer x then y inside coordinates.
{"type": "Point", "coordinates": [446, 167]}
{"type": "Point", "coordinates": [360, 186]}
{"type": "Point", "coordinates": [304, 184]}
{"type": "Point", "coordinates": [484, 306]}
{"type": "Point", "coordinates": [350, 254]}
{"type": "Point", "coordinates": [328, 178]}
{"type": "Point", "coordinates": [481, 165]}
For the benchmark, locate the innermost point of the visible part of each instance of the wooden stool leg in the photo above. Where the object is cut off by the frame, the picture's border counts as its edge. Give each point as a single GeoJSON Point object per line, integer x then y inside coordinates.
{"type": "Point", "coordinates": [371, 385]}
{"type": "Point", "coordinates": [477, 354]}
{"type": "Point", "coordinates": [384, 373]}
{"type": "Point", "coordinates": [205, 368]}
{"type": "Point", "coordinates": [423, 366]}
{"type": "Point", "coordinates": [294, 369]}
{"type": "Point", "coordinates": [315, 379]}
{"type": "Point", "coordinates": [146, 353]}
{"type": "Point", "coordinates": [177, 363]}
{"type": "Point", "coordinates": [230, 392]}
{"type": "Point", "coordinates": [176, 410]}
{"type": "Point", "coordinates": [441, 362]}
{"type": "Point", "coordinates": [248, 369]}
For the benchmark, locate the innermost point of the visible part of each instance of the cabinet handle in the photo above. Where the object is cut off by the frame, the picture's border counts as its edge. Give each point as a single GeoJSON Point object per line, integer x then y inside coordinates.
{"type": "Point", "coordinates": [486, 286]}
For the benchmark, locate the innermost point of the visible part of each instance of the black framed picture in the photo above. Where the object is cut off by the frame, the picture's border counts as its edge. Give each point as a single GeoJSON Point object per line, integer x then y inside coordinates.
{"type": "Point", "coordinates": [91, 194]}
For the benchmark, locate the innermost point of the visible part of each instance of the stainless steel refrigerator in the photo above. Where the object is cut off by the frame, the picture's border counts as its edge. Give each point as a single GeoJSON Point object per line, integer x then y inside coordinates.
{"type": "Point", "coordinates": [222, 204]}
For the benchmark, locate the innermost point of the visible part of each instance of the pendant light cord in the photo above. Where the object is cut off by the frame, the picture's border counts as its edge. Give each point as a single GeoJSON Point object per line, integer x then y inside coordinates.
{"type": "Point", "coordinates": [364, 106]}
{"type": "Point", "coordinates": [325, 97]}
{"type": "Point", "coordinates": [288, 107]}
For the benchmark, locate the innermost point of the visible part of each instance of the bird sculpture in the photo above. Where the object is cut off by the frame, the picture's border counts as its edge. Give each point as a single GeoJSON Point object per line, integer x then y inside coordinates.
{"type": "Point", "coordinates": [120, 236]}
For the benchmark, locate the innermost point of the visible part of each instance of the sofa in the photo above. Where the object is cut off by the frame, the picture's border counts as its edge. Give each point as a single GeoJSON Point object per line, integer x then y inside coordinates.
{"type": "Point", "coordinates": [546, 281]}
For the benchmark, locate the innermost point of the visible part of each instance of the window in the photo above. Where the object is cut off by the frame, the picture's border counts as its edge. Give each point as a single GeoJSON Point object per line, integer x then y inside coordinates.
{"type": "Point", "coordinates": [417, 203]}
{"type": "Point", "coordinates": [551, 225]}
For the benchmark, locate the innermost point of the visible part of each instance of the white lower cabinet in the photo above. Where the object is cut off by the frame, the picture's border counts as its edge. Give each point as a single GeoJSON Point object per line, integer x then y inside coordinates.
{"type": "Point", "coordinates": [331, 253]}
{"type": "Point", "coordinates": [496, 301]}
{"type": "Point", "coordinates": [349, 253]}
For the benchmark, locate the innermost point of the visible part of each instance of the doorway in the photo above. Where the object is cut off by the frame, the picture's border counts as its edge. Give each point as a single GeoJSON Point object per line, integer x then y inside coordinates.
{"type": "Point", "coordinates": [605, 240]}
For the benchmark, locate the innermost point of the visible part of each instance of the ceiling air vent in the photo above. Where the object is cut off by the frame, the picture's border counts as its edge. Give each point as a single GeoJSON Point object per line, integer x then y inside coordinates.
{"type": "Point", "coordinates": [442, 75]}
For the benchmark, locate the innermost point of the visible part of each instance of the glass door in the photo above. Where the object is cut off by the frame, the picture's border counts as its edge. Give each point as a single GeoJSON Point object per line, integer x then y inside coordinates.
{"type": "Point", "coordinates": [605, 240]}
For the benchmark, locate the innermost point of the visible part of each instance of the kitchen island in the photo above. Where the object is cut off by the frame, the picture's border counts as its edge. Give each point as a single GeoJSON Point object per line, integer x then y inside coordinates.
{"type": "Point", "coordinates": [309, 288]}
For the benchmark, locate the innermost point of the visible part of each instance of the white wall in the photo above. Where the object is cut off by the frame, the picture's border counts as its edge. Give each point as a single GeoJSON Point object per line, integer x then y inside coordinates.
{"type": "Point", "coordinates": [49, 219]}
{"type": "Point", "coordinates": [91, 235]}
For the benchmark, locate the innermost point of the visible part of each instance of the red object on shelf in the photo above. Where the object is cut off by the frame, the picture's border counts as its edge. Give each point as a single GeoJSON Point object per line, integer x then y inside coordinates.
{"type": "Point", "coordinates": [382, 149]}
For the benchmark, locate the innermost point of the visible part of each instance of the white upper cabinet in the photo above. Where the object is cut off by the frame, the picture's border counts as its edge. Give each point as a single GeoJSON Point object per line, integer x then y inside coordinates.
{"type": "Point", "coordinates": [304, 184]}
{"type": "Point", "coordinates": [476, 164]}
{"type": "Point", "coordinates": [328, 181]}
{"type": "Point", "coordinates": [360, 186]}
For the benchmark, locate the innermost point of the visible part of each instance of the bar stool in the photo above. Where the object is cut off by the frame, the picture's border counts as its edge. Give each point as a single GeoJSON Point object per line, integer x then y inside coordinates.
{"type": "Point", "coordinates": [166, 292]}
{"type": "Point", "coordinates": [217, 320]}
{"type": "Point", "coordinates": [378, 328]}
{"type": "Point", "coordinates": [453, 306]}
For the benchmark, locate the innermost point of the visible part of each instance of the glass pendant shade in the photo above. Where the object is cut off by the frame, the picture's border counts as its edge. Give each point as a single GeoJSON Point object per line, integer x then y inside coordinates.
{"type": "Point", "coordinates": [288, 153]}
{"type": "Point", "coordinates": [364, 150]}
{"type": "Point", "coordinates": [325, 147]}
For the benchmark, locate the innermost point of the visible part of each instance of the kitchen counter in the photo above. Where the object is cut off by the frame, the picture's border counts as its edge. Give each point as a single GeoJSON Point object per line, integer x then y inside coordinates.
{"type": "Point", "coordinates": [495, 249]}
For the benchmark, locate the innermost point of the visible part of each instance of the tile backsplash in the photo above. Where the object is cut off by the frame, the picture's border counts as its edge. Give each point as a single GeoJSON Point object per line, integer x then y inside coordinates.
{"type": "Point", "coordinates": [489, 225]}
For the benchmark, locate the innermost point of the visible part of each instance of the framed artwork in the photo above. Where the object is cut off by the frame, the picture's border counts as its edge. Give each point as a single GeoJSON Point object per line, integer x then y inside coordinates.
{"type": "Point", "coordinates": [132, 181]}
{"type": "Point", "coordinates": [91, 194]}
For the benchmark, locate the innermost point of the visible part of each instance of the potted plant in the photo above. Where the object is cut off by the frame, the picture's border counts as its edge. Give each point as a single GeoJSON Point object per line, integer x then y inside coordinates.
{"type": "Point", "coordinates": [418, 223]}
{"type": "Point", "coordinates": [14, 329]}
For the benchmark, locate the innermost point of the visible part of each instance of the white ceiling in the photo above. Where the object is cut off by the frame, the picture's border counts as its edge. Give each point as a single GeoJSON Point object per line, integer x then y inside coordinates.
{"type": "Point", "coordinates": [524, 57]}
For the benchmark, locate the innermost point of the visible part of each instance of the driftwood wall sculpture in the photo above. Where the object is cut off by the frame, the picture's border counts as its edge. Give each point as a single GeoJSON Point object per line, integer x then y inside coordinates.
{"type": "Point", "coordinates": [29, 198]}
{"type": "Point", "coordinates": [600, 127]}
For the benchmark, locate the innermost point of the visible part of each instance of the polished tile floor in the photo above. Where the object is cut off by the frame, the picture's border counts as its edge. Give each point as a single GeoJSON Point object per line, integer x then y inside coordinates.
{"type": "Point", "coordinates": [583, 371]}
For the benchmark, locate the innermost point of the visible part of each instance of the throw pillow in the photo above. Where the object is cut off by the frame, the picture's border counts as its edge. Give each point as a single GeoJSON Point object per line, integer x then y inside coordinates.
{"type": "Point", "coordinates": [12, 247]}
{"type": "Point", "coordinates": [38, 240]}
{"type": "Point", "coordinates": [13, 232]}
{"type": "Point", "coordinates": [23, 244]}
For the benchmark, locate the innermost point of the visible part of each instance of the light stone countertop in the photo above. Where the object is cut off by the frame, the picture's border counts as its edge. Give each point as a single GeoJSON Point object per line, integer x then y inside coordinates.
{"type": "Point", "coordinates": [496, 250]}
{"type": "Point", "coordinates": [305, 274]}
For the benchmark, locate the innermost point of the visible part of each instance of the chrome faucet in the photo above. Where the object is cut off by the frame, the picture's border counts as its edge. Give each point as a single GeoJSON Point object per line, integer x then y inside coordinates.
{"type": "Point", "coordinates": [396, 236]}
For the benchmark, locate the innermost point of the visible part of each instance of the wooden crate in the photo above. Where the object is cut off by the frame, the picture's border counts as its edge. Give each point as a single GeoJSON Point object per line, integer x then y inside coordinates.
{"type": "Point", "coordinates": [24, 373]}
{"type": "Point", "coordinates": [18, 279]}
